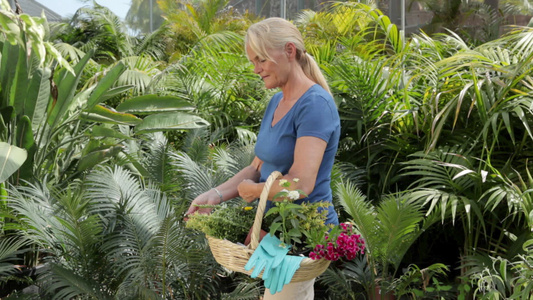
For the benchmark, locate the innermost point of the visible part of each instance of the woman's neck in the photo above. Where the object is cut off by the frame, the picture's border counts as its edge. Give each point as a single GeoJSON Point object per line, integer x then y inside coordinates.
{"type": "Point", "coordinates": [296, 86]}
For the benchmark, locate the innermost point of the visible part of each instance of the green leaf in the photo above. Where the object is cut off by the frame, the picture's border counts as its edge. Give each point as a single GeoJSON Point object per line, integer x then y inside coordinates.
{"type": "Point", "coordinates": [273, 210]}
{"type": "Point", "coordinates": [19, 89]}
{"type": "Point", "coordinates": [25, 140]}
{"type": "Point", "coordinates": [11, 158]}
{"type": "Point", "coordinates": [24, 133]}
{"type": "Point", "coordinates": [280, 195]}
{"type": "Point", "coordinates": [115, 92]}
{"type": "Point", "coordinates": [10, 28]}
{"type": "Point", "coordinates": [171, 121]}
{"type": "Point", "coordinates": [148, 104]}
{"type": "Point", "coordinates": [296, 239]}
{"type": "Point", "coordinates": [8, 69]}
{"type": "Point", "coordinates": [66, 88]}
{"type": "Point", "coordinates": [445, 288]}
{"type": "Point", "coordinates": [274, 227]}
{"type": "Point", "coordinates": [301, 215]}
{"type": "Point", "coordinates": [101, 131]}
{"type": "Point", "coordinates": [105, 84]}
{"type": "Point", "coordinates": [294, 232]}
{"type": "Point", "coordinates": [294, 223]}
{"type": "Point", "coordinates": [292, 206]}
{"type": "Point", "coordinates": [106, 115]}
{"type": "Point", "coordinates": [95, 157]}
{"type": "Point", "coordinates": [38, 96]}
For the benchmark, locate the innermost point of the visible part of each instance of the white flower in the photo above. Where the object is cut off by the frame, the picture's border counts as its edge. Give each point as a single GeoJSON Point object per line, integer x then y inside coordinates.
{"type": "Point", "coordinates": [293, 195]}
{"type": "Point", "coordinates": [282, 182]}
{"type": "Point", "coordinates": [296, 179]}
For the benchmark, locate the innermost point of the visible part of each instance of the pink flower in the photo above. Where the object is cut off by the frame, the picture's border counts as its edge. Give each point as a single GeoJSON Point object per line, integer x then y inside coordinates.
{"type": "Point", "coordinates": [337, 245]}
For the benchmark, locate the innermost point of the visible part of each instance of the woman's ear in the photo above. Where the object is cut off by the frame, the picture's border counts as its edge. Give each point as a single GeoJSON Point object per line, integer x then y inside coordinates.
{"type": "Point", "coordinates": [290, 49]}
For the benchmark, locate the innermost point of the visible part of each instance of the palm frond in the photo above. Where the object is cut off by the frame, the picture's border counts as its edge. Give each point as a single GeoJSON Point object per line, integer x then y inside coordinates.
{"type": "Point", "coordinates": [399, 222]}
{"type": "Point", "coordinates": [244, 291]}
{"type": "Point", "coordinates": [114, 192]}
{"type": "Point", "coordinates": [63, 283]}
{"type": "Point", "coordinates": [70, 52]}
{"type": "Point", "coordinates": [216, 163]}
{"type": "Point", "coordinates": [9, 249]}
{"type": "Point", "coordinates": [133, 250]}
{"type": "Point", "coordinates": [223, 40]}
{"type": "Point", "coordinates": [153, 44]}
{"type": "Point", "coordinates": [235, 158]}
{"type": "Point", "coordinates": [448, 181]}
{"type": "Point", "coordinates": [197, 143]}
{"type": "Point", "coordinates": [365, 110]}
{"type": "Point", "coordinates": [157, 157]}
{"type": "Point", "coordinates": [361, 211]}
{"type": "Point", "coordinates": [33, 206]}
{"type": "Point", "coordinates": [112, 29]}
{"type": "Point", "coordinates": [443, 167]}
{"type": "Point", "coordinates": [199, 178]}
{"type": "Point", "coordinates": [337, 283]}
{"type": "Point", "coordinates": [192, 266]}
{"type": "Point", "coordinates": [140, 73]}
{"type": "Point", "coordinates": [350, 281]}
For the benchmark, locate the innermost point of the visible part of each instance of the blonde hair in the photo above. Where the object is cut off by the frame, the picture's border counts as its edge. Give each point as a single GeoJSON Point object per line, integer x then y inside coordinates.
{"type": "Point", "coordinates": [275, 33]}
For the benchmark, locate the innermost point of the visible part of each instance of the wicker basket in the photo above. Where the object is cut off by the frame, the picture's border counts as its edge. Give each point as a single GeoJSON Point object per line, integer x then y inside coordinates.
{"type": "Point", "coordinates": [235, 256]}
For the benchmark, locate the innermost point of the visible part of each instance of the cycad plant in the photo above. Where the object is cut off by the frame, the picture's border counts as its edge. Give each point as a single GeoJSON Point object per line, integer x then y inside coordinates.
{"type": "Point", "coordinates": [203, 163]}
{"type": "Point", "coordinates": [389, 229]}
{"type": "Point", "coordinates": [112, 236]}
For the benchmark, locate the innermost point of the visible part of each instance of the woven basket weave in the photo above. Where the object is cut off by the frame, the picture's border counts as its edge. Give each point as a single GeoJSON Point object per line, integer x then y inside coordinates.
{"type": "Point", "coordinates": [235, 256]}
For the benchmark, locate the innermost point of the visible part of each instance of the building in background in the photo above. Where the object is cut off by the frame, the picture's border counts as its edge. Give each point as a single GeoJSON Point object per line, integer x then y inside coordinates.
{"type": "Point", "coordinates": [411, 16]}
{"type": "Point", "coordinates": [276, 8]}
{"type": "Point", "coordinates": [415, 16]}
{"type": "Point", "coordinates": [34, 8]}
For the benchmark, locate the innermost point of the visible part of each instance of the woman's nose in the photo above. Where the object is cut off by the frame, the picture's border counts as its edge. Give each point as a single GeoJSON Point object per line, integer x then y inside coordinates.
{"type": "Point", "coordinates": [257, 68]}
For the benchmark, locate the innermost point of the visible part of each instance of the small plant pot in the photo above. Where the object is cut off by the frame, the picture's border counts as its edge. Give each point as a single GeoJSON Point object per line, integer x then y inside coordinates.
{"type": "Point", "coordinates": [381, 295]}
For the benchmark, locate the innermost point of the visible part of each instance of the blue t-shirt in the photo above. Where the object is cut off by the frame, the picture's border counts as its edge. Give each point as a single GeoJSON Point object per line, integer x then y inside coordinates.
{"type": "Point", "coordinates": [314, 114]}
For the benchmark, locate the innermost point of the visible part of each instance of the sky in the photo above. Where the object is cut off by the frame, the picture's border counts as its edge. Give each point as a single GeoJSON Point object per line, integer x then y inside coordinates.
{"type": "Point", "coordinates": [67, 8]}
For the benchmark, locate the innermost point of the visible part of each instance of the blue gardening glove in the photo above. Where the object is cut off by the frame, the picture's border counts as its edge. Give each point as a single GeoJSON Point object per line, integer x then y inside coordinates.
{"type": "Point", "coordinates": [271, 282]}
{"type": "Point", "coordinates": [290, 265]}
{"type": "Point", "coordinates": [268, 256]}
{"type": "Point", "coordinates": [283, 274]}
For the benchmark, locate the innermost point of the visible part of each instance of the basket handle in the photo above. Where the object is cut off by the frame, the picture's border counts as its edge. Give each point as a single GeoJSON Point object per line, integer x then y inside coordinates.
{"type": "Point", "coordinates": [256, 228]}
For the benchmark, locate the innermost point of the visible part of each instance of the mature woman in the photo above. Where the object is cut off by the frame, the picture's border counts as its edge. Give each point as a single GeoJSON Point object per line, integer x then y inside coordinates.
{"type": "Point", "coordinates": [299, 133]}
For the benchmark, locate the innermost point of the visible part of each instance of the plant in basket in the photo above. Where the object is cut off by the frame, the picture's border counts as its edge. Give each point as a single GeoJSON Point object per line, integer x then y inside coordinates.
{"type": "Point", "coordinates": [296, 223]}
{"type": "Point", "coordinates": [302, 226]}
{"type": "Point", "coordinates": [230, 221]}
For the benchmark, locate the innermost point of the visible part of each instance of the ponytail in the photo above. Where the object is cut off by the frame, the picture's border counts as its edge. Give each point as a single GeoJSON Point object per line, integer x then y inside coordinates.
{"type": "Point", "coordinates": [312, 70]}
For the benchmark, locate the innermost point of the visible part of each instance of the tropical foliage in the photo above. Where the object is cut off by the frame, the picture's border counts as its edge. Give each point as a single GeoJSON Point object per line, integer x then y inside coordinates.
{"type": "Point", "coordinates": [105, 138]}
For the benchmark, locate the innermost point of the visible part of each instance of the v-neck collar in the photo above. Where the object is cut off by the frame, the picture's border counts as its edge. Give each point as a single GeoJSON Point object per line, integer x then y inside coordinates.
{"type": "Point", "coordinates": [290, 109]}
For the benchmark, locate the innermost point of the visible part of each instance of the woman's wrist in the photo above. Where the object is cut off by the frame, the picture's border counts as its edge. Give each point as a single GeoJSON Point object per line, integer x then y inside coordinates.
{"type": "Point", "coordinates": [219, 194]}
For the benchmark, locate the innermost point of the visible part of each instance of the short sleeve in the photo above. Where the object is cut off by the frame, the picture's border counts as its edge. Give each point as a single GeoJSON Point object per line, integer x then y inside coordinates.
{"type": "Point", "coordinates": [316, 117]}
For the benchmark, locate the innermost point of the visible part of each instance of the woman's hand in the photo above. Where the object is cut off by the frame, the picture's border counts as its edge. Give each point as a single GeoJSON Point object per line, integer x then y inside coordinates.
{"type": "Point", "coordinates": [208, 198]}
{"type": "Point", "coordinates": [248, 190]}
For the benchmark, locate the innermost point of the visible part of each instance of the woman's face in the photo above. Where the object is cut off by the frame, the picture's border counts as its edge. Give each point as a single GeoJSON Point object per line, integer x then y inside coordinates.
{"type": "Point", "coordinates": [273, 72]}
